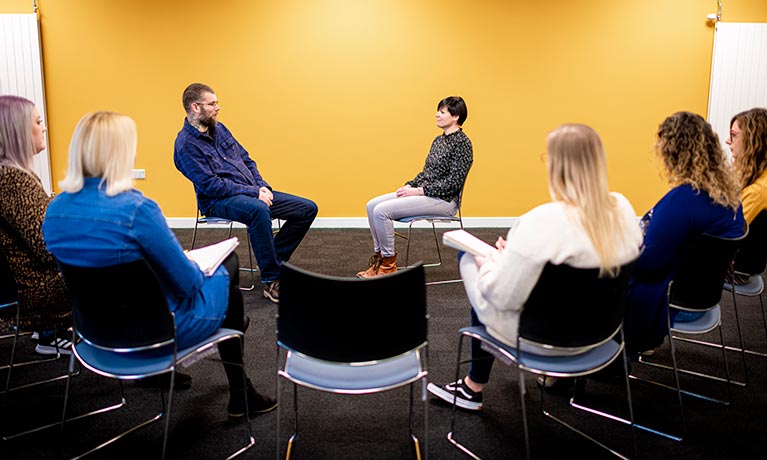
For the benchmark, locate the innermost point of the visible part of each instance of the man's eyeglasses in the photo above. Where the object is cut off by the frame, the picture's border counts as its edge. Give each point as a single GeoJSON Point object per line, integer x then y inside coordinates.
{"type": "Point", "coordinates": [211, 104]}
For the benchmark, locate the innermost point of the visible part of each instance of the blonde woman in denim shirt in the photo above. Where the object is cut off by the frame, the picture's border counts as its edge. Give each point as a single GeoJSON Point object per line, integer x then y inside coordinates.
{"type": "Point", "coordinates": [100, 220]}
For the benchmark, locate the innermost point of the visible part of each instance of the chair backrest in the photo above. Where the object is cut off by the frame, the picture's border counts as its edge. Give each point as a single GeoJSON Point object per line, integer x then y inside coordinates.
{"type": "Point", "coordinates": [752, 255]}
{"type": "Point", "coordinates": [573, 307]}
{"type": "Point", "coordinates": [9, 294]}
{"type": "Point", "coordinates": [697, 283]}
{"type": "Point", "coordinates": [119, 307]}
{"type": "Point", "coordinates": [349, 319]}
{"type": "Point", "coordinates": [460, 196]}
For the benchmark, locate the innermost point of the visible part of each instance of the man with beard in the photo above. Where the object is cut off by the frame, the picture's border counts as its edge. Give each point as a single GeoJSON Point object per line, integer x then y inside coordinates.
{"type": "Point", "coordinates": [228, 185]}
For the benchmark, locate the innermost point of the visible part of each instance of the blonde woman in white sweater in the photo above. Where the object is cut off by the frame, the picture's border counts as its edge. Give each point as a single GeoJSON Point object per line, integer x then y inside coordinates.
{"type": "Point", "coordinates": [584, 226]}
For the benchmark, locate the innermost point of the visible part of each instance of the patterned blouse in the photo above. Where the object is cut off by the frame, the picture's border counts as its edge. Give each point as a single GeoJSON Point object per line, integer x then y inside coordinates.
{"type": "Point", "coordinates": [446, 167]}
{"type": "Point", "coordinates": [42, 293]}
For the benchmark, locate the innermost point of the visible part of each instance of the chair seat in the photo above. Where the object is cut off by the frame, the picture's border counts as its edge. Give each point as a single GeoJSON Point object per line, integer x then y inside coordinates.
{"type": "Point", "coordinates": [353, 379]}
{"type": "Point", "coordinates": [213, 220]}
{"type": "Point", "coordinates": [572, 365]}
{"type": "Point", "coordinates": [706, 323]}
{"type": "Point", "coordinates": [753, 288]}
{"type": "Point", "coordinates": [407, 220]}
{"type": "Point", "coordinates": [129, 366]}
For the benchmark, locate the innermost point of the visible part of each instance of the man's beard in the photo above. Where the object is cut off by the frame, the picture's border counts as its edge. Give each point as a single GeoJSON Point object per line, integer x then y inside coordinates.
{"type": "Point", "coordinates": [208, 122]}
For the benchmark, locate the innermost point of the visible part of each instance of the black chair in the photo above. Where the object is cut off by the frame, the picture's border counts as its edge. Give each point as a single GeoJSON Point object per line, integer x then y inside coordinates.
{"type": "Point", "coordinates": [205, 220]}
{"type": "Point", "coordinates": [127, 332]}
{"type": "Point", "coordinates": [696, 287]}
{"type": "Point", "coordinates": [432, 220]}
{"type": "Point", "coordinates": [9, 299]}
{"type": "Point", "coordinates": [345, 336]}
{"type": "Point", "coordinates": [572, 311]}
{"type": "Point", "coordinates": [750, 263]}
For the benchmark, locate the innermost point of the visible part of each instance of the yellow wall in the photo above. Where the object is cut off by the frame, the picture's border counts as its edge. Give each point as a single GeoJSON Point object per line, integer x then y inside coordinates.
{"type": "Point", "coordinates": [335, 99]}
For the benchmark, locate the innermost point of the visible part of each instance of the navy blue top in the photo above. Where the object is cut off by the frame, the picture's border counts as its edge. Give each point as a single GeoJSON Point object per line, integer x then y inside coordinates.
{"type": "Point", "coordinates": [91, 229]}
{"type": "Point", "coordinates": [218, 166]}
{"type": "Point", "coordinates": [670, 226]}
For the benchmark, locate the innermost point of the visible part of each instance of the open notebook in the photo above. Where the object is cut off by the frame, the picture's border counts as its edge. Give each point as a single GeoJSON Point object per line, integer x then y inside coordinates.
{"type": "Point", "coordinates": [210, 257]}
{"type": "Point", "coordinates": [465, 241]}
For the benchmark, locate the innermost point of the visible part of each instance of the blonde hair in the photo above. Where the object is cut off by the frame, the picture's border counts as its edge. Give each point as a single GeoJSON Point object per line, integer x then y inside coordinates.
{"type": "Point", "coordinates": [103, 145]}
{"type": "Point", "coordinates": [692, 155]}
{"type": "Point", "coordinates": [578, 177]}
{"type": "Point", "coordinates": [17, 147]}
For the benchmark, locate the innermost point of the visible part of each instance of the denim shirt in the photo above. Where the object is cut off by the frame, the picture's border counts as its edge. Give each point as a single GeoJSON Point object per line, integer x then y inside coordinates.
{"type": "Point", "coordinates": [218, 166]}
{"type": "Point", "coordinates": [91, 229]}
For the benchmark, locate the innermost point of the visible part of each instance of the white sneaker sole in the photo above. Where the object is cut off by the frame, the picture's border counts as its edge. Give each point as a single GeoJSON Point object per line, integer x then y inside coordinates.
{"type": "Point", "coordinates": [448, 397]}
{"type": "Point", "coordinates": [51, 350]}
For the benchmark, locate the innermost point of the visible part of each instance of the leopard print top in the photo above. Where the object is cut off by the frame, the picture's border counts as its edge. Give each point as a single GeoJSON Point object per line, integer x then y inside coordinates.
{"type": "Point", "coordinates": [43, 295]}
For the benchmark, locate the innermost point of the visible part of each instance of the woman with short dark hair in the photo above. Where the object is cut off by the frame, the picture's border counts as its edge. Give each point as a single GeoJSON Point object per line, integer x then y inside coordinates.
{"type": "Point", "coordinates": [434, 191]}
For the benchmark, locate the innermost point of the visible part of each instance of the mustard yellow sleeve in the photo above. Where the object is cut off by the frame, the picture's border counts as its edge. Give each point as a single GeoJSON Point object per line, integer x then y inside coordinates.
{"type": "Point", "coordinates": [754, 198]}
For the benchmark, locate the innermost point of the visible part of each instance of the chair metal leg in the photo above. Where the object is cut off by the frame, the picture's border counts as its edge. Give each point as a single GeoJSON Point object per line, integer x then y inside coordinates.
{"type": "Point", "coordinates": [295, 423]}
{"type": "Point", "coordinates": [12, 364]}
{"type": "Point", "coordinates": [411, 432]}
{"type": "Point", "coordinates": [436, 241]}
{"type": "Point", "coordinates": [630, 422]}
{"type": "Point", "coordinates": [294, 435]}
{"type": "Point", "coordinates": [251, 440]}
{"type": "Point", "coordinates": [451, 434]}
{"type": "Point", "coordinates": [194, 231]}
{"type": "Point", "coordinates": [250, 268]}
{"type": "Point", "coordinates": [64, 419]}
{"type": "Point", "coordinates": [742, 349]}
{"type": "Point", "coordinates": [727, 379]}
{"type": "Point", "coordinates": [523, 408]}
{"type": "Point", "coordinates": [723, 346]}
{"type": "Point", "coordinates": [71, 373]}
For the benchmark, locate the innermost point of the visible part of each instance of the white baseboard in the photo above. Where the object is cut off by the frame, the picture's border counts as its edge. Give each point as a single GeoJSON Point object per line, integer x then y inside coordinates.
{"type": "Point", "coordinates": [362, 222]}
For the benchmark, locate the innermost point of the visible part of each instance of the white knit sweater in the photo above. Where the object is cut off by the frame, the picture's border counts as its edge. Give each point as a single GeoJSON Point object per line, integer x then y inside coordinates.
{"type": "Point", "coordinates": [551, 232]}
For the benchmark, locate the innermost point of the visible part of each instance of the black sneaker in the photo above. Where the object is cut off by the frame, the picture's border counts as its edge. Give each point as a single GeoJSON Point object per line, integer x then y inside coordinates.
{"type": "Point", "coordinates": [272, 291]}
{"type": "Point", "coordinates": [181, 382]}
{"type": "Point", "coordinates": [49, 344]}
{"type": "Point", "coordinates": [463, 396]}
{"type": "Point", "coordinates": [257, 403]}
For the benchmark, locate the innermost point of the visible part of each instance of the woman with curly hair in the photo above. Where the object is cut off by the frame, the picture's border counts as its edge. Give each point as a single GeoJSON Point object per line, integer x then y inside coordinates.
{"type": "Point", "coordinates": [704, 199]}
{"type": "Point", "coordinates": [748, 144]}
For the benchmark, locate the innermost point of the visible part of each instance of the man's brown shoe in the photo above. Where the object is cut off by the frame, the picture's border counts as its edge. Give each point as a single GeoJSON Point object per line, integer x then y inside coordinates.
{"type": "Point", "coordinates": [272, 291]}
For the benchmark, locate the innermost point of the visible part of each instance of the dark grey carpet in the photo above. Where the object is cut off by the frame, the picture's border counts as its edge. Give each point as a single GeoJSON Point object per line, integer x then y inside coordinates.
{"type": "Point", "coordinates": [375, 426]}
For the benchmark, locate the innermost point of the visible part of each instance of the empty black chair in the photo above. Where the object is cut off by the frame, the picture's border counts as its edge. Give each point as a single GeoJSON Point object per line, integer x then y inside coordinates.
{"type": "Point", "coordinates": [346, 336]}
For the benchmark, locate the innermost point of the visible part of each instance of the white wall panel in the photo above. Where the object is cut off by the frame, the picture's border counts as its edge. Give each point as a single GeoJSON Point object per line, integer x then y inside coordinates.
{"type": "Point", "coordinates": [21, 72]}
{"type": "Point", "coordinates": [738, 73]}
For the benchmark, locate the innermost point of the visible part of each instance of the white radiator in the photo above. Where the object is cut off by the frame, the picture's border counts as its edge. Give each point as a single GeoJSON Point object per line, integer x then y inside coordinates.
{"type": "Point", "coordinates": [738, 73]}
{"type": "Point", "coordinates": [21, 72]}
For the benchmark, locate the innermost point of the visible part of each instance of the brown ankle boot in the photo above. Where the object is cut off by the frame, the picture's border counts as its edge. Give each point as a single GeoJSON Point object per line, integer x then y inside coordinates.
{"type": "Point", "coordinates": [388, 265]}
{"type": "Point", "coordinates": [374, 263]}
